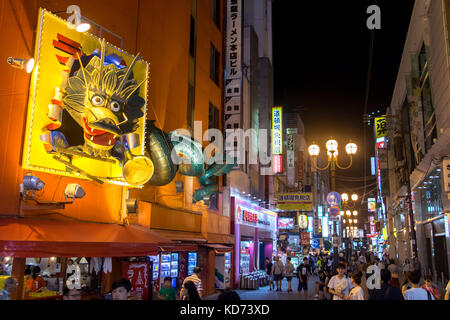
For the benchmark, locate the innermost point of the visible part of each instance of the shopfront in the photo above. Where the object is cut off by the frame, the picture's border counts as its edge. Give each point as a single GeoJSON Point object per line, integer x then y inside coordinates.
{"type": "Point", "coordinates": [90, 263]}
{"type": "Point", "coordinates": [255, 229]}
{"type": "Point", "coordinates": [432, 226]}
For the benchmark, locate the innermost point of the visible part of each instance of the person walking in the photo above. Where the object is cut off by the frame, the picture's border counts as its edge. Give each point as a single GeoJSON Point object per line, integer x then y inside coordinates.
{"type": "Point", "coordinates": [277, 272]}
{"type": "Point", "coordinates": [190, 291]}
{"type": "Point", "coordinates": [196, 280]}
{"type": "Point", "coordinates": [416, 292]}
{"type": "Point", "coordinates": [395, 270]}
{"type": "Point", "coordinates": [269, 265]}
{"type": "Point", "coordinates": [387, 291]}
{"type": "Point", "coordinates": [431, 288]}
{"type": "Point", "coordinates": [416, 264]}
{"type": "Point", "coordinates": [407, 266]}
{"type": "Point", "coordinates": [321, 285]}
{"type": "Point", "coordinates": [357, 293]}
{"type": "Point", "coordinates": [303, 273]}
{"type": "Point", "coordinates": [406, 284]}
{"type": "Point", "coordinates": [339, 285]}
{"type": "Point", "coordinates": [289, 272]}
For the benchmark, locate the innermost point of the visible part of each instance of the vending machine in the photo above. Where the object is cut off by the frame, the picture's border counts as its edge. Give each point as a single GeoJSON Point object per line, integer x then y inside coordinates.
{"type": "Point", "coordinates": [155, 261]}
{"type": "Point", "coordinates": [165, 266]}
{"type": "Point", "coordinates": [174, 268]}
{"type": "Point", "coordinates": [222, 271]}
{"type": "Point", "coordinates": [192, 262]}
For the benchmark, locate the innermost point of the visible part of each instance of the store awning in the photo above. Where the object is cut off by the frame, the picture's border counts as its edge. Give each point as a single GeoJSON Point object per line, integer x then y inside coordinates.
{"type": "Point", "coordinates": [220, 238]}
{"type": "Point", "coordinates": [47, 238]}
{"type": "Point", "coordinates": [181, 236]}
{"type": "Point", "coordinates": [218, 247]}
{"type": "Point", "coordinates": [179, 248]}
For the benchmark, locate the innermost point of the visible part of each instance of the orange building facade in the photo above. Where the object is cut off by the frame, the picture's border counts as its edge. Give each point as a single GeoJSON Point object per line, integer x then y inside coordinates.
{"type": "Point", "coordinates": [180, 91]}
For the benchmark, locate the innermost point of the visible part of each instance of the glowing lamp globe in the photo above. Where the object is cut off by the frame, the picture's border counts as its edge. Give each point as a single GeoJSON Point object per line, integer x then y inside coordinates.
{"type": "Point", "coordinates": [83, 27]}
{"type": "Point", "coordinates": [354, 197]}
{"type": "Point", "coordinates": [30, 65]}
{"type": "Point", "coordinates": [341, 213]}
{"type": "Point", "coordinates": [332, 145]}
{"type": "Point", "coordinates": [344, 197]}
{"type": "Point", "coordinates": [348, 213]}
{"type": "Point", "coordinates": [314, 150]}
{"type": "Point", "coordinates": [351, 148]}
{"type": "Point", "coordinates": [355, 213]}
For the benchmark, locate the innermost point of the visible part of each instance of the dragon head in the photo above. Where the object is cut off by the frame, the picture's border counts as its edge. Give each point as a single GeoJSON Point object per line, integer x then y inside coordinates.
{"type": "Point", "coordinates": [104, 100]}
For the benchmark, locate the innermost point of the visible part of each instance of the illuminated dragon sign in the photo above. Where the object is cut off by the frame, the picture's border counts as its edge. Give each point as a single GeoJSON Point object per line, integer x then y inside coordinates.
{"type": "Point", "coordinates": [94, 126]}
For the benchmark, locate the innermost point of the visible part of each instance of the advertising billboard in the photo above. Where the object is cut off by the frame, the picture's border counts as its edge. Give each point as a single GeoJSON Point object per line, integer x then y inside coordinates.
{"type": "Point", "coordinates": [294, 201]}
{"type": "Point", "coordinates": [87, 97]}
{"type": "Point", "coordinates": [371, 204]}
{"type": "Point", "coordinates": [286, 223]}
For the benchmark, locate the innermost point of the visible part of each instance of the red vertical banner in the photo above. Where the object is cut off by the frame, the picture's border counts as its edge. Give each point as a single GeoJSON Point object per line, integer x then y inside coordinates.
{"type": "Point", "coordinates": [183, 265]}
{"type": "Point", "coordinates": [137, 273]}
{"type": "Point", "coordinates": [305, 241]}
{"type": "Point", "coordinates": [300, 166]}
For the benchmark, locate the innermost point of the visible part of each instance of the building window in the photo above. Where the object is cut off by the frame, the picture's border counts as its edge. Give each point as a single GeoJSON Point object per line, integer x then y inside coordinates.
{"type": "Point", "coordinates": [429, 118]}
{"type": "Point", "coordinates": [214, 120]}
{"type": "Point", "coordinates": [214, 65]}
{"type": "Point", "coordinates": [190, 106]}
{"type": "Point", "coordinates": [192, 38]}
{"type": "Point", "coordinates": [215, 12]}
{"type": "Point", "coordinates": [214, 198]}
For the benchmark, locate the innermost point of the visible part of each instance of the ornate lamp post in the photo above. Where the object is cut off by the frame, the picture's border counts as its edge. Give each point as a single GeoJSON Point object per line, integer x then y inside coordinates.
{"type": "Point", "coordinates": [332, 151]}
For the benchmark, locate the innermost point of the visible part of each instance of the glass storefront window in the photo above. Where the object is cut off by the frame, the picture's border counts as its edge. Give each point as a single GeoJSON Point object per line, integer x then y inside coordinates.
{"type": "Point", "coordinates": [431, 195]}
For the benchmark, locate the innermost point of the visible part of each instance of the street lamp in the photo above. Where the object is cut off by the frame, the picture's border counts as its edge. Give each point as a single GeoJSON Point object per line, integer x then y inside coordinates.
{"type": "Point", "coordinates": [344, 197]}
{"type": "Point", "coordinates": [355, 213]}
{"type": "Point", "coordinates": [354, 197]}
{"type": "Point", "coordinates": [332, 151]}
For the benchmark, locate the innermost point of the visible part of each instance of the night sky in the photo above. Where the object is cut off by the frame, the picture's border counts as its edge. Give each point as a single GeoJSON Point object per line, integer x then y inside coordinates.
{"type": "Point", "coordinates": [321, 57]}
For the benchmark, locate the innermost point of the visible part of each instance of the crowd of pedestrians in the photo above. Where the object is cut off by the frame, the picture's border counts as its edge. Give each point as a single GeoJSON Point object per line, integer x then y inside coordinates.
{"type": "Point", "coordinates": [351, 278]}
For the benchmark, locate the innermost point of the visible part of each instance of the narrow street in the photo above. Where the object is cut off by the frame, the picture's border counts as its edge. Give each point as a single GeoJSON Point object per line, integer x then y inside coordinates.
{"type": "Point", "coordinates": [263, 293]}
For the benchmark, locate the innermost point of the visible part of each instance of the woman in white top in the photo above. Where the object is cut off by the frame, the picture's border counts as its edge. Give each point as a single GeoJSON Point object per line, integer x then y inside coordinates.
{"type": "Point", "coordinates": [407, 267]}
{"type": "Point", "coordinates": [339, 285]}
{"type": "Point", "coordinates": [289, 272]}
{"type": "Point", "coordinates": [357, 293]}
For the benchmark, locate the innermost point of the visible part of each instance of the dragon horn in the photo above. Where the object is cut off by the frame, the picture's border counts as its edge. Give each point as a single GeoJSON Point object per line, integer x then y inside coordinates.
{"type": "Point", "coordinates": [102, 62]}
{"type": "Point", "coordinates": [137, 87]}
{"type": "Point", "coordinates": [84, 74]}
{"type": "Point", "coordinates": [128, 73]}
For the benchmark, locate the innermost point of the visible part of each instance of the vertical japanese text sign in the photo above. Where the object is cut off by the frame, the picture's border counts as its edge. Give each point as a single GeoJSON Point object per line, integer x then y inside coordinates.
{"type": "Point", "coordinates": [233, 62]}
{"type": "Point", "coordinates": [277, 137]}
{"type": "Point", "coordinates": [380, 127]}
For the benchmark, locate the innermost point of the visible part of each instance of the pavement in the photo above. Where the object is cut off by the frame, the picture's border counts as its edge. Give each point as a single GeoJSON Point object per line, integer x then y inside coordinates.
{"type": "Point", "coordinates": [263, 293]}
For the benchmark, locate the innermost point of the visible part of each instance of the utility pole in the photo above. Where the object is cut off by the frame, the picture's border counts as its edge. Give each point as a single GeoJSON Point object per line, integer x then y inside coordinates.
{"type": "Point", "coordinates": [333, 187]}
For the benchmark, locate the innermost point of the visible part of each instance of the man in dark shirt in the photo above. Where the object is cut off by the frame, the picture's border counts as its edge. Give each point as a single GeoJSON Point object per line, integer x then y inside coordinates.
{"type": "Point", "coordinates": [269, 265]}
{"type": "Point", "coordinates": [387, 292]}
{"type": "Point", "coordinates": [303, 272]}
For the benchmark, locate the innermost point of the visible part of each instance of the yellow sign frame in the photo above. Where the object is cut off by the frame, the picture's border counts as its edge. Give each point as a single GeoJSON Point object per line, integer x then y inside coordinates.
{"type": "Point", "coordinates": [43, 82]}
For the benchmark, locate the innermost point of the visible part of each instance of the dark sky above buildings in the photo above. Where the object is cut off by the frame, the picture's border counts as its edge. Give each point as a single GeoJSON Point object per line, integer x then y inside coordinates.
{"type": "Point", "coordinates": [321, 56]}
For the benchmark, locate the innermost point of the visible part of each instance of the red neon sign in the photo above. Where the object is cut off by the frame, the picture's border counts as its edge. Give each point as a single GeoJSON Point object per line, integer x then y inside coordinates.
{"type": "Point", "coordinates": [277, 162]}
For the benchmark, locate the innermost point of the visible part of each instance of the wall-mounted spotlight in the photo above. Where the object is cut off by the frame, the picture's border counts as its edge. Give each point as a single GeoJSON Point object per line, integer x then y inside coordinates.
{"type": "Point", "coordinates": [25, 64]}
{"type": "Point", "coordinates": [132, 205]}
{"type": "Point", "coordinates": [74, 191]}
{"type": "Point", "coordinates": [31, 183]}
{"type": "Point", "coordinates": [81, 25]}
